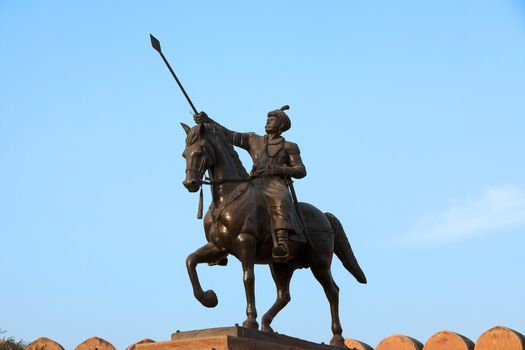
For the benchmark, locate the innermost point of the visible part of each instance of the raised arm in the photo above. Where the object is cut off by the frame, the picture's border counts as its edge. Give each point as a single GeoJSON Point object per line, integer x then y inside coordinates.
{"type": "Point", "coordinates": [236, 138]}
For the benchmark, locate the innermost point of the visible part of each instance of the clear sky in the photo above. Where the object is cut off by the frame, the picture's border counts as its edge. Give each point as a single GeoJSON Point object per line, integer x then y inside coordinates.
{"type": "Point", "coordinates": [410, 117]}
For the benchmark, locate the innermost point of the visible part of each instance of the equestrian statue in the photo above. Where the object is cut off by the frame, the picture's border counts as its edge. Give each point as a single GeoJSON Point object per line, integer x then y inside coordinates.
{"type": "Point", "coordinates": [256, 216]}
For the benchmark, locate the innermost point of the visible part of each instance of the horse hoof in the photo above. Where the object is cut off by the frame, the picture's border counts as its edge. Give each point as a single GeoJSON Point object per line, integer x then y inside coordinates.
{"type": "Point", "coordinates": [266, 328]}
{"type": "Point", "coordinates": [337, 340]}
{"type": "Point", "coordinates": [250, 324]}
{"type": "Point", "coordinates": [209, 299]}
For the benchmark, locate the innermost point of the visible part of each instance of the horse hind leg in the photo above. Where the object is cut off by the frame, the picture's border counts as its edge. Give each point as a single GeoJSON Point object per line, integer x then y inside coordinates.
{"type": "Point", "coordinates": [324, 276]}
{"type": "Point", "coordinates": [282, 274]}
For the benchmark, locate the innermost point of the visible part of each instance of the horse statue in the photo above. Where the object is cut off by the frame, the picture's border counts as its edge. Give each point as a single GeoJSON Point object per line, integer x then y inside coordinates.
{"type": "Point", "coordinates": [237, 223]}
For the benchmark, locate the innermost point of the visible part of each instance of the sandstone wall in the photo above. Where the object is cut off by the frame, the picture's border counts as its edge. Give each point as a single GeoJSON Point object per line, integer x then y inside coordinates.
{"type": "Point", "coordinates": [497, 338]}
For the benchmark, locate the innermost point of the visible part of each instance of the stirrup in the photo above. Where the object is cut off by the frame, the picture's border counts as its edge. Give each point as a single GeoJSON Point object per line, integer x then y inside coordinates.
{"type": "Point", "coordinates": [280, 251]}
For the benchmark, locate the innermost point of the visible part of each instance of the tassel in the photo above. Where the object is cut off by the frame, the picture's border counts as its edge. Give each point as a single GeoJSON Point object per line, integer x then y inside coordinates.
{"type": "Point", "coordinates": [199, 209]}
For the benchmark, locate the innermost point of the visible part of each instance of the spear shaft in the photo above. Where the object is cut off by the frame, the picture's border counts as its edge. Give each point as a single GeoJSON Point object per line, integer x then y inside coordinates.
{"type": "Point", "coordinates": [156, 45]}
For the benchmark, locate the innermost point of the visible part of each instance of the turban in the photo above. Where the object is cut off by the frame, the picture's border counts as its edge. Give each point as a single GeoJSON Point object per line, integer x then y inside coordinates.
{"type": "Point", "coordinates": [283, 118]}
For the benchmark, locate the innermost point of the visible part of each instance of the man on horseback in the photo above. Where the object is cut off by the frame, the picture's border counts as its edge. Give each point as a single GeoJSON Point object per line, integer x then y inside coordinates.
{"type": "Point", "coordinates": [275, 161]}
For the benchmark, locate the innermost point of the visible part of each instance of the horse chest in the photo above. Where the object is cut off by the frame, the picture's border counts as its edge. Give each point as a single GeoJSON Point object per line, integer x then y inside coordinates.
{"type": "Point", "coordinates": [220, 235]}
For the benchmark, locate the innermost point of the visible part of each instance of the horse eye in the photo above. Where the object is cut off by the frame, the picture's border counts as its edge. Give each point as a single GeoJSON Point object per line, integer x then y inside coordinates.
{"type": "Point", "coordinates": [195, 153]}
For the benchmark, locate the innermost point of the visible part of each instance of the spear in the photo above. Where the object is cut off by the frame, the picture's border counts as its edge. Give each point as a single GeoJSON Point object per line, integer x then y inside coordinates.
{"type": "Point", "coordinates": [156, 45]}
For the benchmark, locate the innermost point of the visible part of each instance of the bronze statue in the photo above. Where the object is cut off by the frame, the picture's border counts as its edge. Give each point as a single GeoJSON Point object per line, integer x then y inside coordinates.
{"type": "Point", "coordinates": [255, 218]}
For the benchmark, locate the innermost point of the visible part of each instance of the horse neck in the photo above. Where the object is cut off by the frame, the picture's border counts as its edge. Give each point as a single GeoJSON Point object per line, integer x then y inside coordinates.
{"type": "Point", "coordinates": [226, 168]}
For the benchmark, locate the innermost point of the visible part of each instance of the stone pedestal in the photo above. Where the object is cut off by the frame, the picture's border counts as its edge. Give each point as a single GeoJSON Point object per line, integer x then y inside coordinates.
{"type": "Point", "coordinates": [233, 338]}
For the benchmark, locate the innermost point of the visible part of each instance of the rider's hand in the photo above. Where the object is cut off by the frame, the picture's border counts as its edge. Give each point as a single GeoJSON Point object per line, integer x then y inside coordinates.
{"type": "Point", "coordinates": [277, 170]}
{"type": "Point", "coordinates": [201, 117]}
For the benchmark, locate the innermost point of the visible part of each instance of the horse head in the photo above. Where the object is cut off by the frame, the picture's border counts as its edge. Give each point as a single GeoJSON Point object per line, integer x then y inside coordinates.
{"type": "Point", "coordinates": [199, 154]}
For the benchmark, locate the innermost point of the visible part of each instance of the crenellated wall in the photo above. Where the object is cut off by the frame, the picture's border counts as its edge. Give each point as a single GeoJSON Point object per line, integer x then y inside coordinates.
{"type": "Point", "coordinates": [497, 338]}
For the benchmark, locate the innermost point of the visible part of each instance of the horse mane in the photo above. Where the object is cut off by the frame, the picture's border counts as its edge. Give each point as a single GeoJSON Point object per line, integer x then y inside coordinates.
{"type": "Point", "coordinates": [221, 142]}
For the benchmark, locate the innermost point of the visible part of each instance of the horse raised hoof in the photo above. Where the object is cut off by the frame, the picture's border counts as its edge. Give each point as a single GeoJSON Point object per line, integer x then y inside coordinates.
{"type": "Point", "coordinates": [209, 299]}
{"type": "Point", "coordinates": [337, 340]}
{"type": "Point", "coordinates": [249, 323]}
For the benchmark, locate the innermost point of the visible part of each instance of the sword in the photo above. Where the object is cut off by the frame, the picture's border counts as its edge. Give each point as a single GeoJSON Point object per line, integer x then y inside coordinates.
{"type": "Point", "coordinates": [299, 213]}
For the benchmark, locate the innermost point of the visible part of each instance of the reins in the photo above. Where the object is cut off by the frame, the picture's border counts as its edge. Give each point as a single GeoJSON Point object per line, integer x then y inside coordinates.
{"type": "Point", "coordinates": [208, 181]}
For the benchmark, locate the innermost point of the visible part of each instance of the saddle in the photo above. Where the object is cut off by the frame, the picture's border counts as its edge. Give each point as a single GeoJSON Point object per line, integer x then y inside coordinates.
{"type": "Point", "coordinates": [297, 234]}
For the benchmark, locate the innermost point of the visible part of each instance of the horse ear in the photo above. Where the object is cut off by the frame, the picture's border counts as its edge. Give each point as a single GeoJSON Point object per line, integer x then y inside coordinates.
{"type": "Point", "coordinates": [185, 127]}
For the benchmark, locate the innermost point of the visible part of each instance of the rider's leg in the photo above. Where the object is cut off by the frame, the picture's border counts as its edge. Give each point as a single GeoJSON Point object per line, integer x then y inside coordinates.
{"type": "Point", "coordinates": [280, 248]}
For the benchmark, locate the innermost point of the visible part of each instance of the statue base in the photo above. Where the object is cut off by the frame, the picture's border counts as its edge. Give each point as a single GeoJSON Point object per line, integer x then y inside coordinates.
{"type": "Point", "coordinates": [233, 338]}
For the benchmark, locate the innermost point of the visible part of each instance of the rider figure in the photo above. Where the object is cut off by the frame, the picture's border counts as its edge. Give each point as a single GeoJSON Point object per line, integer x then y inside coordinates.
{"type": "Point", "coordinates": [275, 161]}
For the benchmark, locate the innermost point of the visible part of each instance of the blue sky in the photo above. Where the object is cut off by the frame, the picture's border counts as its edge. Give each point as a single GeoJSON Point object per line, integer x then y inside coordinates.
{"type": "Point", "coordinates": [409, 116]}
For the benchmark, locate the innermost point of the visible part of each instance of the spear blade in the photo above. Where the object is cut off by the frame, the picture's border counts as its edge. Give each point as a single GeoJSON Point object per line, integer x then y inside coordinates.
{"type": "Point", "coordinates": [155, 43]}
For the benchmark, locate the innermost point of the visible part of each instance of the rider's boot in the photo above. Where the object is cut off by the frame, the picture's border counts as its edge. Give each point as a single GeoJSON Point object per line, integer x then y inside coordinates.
{"type": "Point", "coordinates": [280, 249]}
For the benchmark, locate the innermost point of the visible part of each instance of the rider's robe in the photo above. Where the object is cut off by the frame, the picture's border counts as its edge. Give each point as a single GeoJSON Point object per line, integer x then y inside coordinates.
{"type": "Point", "coordinates": [275, 188]}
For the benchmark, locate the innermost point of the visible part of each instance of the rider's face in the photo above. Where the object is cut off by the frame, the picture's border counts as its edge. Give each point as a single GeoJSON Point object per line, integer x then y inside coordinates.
{"type": "Point", "coordinates": [272, 125]}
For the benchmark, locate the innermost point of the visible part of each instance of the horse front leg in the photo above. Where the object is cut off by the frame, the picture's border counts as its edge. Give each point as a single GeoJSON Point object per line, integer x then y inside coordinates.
{"type": "Point", "coordinates": [245, 246]}
{"type": "Point", "coordinates": [206, 254]}
{"type": "Point", "coordinates": [281, 273]}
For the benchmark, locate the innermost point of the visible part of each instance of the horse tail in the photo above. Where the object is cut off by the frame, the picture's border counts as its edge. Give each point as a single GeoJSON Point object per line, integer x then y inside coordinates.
{"type": "Point", "coordinates": [343, 250]}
